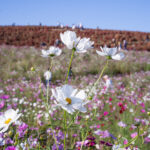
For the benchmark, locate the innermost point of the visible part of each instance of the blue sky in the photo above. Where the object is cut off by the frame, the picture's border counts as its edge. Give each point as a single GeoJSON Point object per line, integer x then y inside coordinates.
{"type": "Point", "coordinates": [107, 14]}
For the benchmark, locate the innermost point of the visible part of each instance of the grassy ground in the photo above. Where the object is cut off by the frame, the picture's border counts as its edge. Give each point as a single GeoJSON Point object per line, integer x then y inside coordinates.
{"type": "Point", "coordinates": [18, 61]}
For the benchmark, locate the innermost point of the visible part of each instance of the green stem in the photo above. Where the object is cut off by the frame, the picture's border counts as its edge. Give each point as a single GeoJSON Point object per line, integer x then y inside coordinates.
{"type": "Point", "coordinates": [47, 93]}
{"type": "Point", "coordinates": [73, 120]}
{"type": "Point", "coordinates": [85, 136]}
{"type": "Point", "coordinates": [135, 138]}
{"type": "Point", "coordinates": [51, 64]}
{"type": "Point", "coordinates": [100, 76]}
{"type": "Point", "coordinates": [73, 50]}
{"type": "Point", "coordinates": [65, 129]}
{"type": "Point", "coordinates": [66, 81]}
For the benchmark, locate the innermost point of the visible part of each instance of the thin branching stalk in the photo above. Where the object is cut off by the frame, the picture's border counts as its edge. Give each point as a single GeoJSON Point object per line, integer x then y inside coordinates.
{"type": "Point", "coordinates": [47, 109]}
{"type": "Point", "coordinates": [95, 84]}
{"type": "Point", "coordinates": [73, 50]}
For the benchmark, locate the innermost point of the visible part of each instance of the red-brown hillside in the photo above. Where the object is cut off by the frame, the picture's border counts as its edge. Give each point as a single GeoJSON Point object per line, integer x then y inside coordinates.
{"type": "Point", "coordinates": [34, 35]}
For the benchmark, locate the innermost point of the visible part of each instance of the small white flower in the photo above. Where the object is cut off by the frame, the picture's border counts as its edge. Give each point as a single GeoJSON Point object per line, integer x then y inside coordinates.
{"type": "Point", "coordinates": [84, 45]}
{"type": "Point", "coordinates": [48, 75]}
{"type": "Point", "coordinates": [52, 51]}
{"type": "Point", "coordinates": [131, 110]}
{"type": "Point", "coordinates": [45, 53]}
{"type": "Point", "coordinates": [111, 53]}
{"type": "Point", "coordinates": [7, 118]}
{"type": "Point", "coordinates": [97, 146]}
{"type": "Point", "coordinates": [1, 91]}
{"type": "Point", "coordinates": [87, 117]}
{"type": "Point", "coordinates": [70, 39]}
{"type": "Point", "coordinates": [46, 115]}
{"type": "Point", "coordinates": [108, 83]}
{"type": "Point", "coordinates": [69, 99]}
{"type": "Point", "coordinates": [97, 132]}
{"type": "Point", "coordinates": [117, 147]}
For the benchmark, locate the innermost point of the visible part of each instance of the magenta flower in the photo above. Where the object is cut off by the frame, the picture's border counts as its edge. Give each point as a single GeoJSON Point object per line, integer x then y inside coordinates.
{"type": "Point", "coordinates": [143, 110]}
{"type": "Point", "coordinates": [125, 142]}
{"type": "Point", "coordinates": [105, 113]}
{"type": "Point", "coordinates": [5, 97]}
{"type": "Point", "coordinates": [11, 148]}
{"type": "Point", "coordinates": [147, 140]}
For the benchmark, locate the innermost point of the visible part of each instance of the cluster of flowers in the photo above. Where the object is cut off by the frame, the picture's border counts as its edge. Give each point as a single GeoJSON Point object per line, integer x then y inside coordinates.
{"type": "Point", "coordinates": [67, 97]}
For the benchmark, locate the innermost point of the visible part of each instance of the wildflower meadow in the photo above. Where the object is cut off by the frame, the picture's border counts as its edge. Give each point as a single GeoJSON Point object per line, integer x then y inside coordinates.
{"type": "Point", "coordinates": [76, 97]}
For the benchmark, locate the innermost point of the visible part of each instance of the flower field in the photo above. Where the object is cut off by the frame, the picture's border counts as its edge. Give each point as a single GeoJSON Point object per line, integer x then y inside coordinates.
{"type": "Point", "coordinates": [76, 111]}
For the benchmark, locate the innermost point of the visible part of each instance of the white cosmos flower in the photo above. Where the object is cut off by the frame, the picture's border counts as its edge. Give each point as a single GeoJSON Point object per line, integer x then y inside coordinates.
{"type": "Point", "coordinates": [70, 39]}
{"type": "Point", "coordinates": [70, 99]}
{"type": "Point", "coordinates": [111, 53]}
{"type": "Point", "coordinates": [84, 45]}
{"type": "Point", "coordinates": [52, 51]}
{"type": "Point", "coordinates": [7, 118]}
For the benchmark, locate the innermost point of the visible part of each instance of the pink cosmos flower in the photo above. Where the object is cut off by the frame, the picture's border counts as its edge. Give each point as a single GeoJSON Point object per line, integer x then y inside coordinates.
{"type": "Point", "coordinates": [11, 148]}
{"type": "Point", "coordinates": [121, 124]}
{"type": "Point", "coordinates": [2, 103]}
{"type": "Point", "coordinates": [143, 110]}
{"type": "Point", "coordinates": [133, 135]}
{"type": "Point", "coordinates": [105, 113]}
{"type": "Point", "coordinates": [147, 140]}
{"type": "Point", "coordinates": [125, 142]}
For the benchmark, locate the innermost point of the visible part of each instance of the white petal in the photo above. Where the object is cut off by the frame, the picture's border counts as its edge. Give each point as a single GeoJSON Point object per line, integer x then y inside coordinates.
{"type": "Point", "coordinates": [112, 51]}
{"type": "Point", "coordinates": [2, 120]}
{"type": "Point", "coordinates": [69, 39]}
{"type": "Point", "coordinates": [83, 109]}
{"type": "Point", "coordinates": [68, 109]}
{"type": "Point", "coordinates": [62, 38]}
{"type": "Point", "coordinates": [44, 54]}
{"type": "Point", "coordinates": [118, 56]}
{"type": "Point", "coordinates": [77, 41]}
{"type": "Point", "coordinates": [81, 95]}
{"type": "Point", "coordinates": [54, 50]}
{"type": "Point", "coordinates": [67, 90]}
{"type": "Point", "coordinates": [54, 93]}
{"type": "Point", "coordinates": [81, 51]}
{"type": "Point", "coordinates": [74, 93]}
{"type": "Point", "coordinates": [10, 114]}
{"type": "Point", "coordinates": [70, 45]}
{"type": "Point", "coordinates": [76, 101]}
{"type": "Point", "coordinates": [84, 45]}
{"type": "Point", "coordinates": [4, 129]}
{"type": "Point", "coordinates": [103, 49]}
{"type": "Point", "coordinates": [101, 53]}
{"type": "Point", "coordinates": [58, 52]}
{"type": "Point", "coordinates": [17, 117]}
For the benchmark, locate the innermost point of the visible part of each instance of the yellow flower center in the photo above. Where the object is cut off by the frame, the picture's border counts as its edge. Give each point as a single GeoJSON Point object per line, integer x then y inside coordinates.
{"type": "Point", "coordinates": [68, 100]}
{"type": "Point", "coordinates": [7, 121]}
